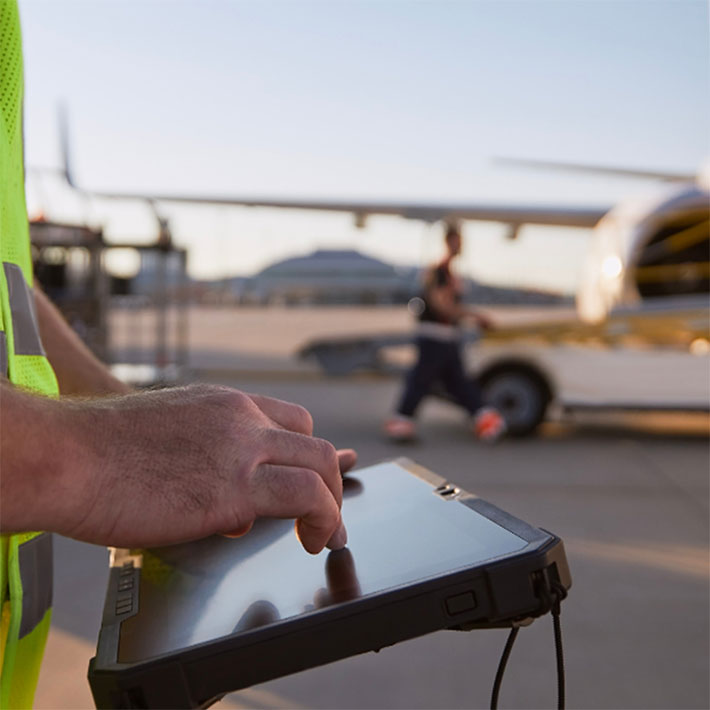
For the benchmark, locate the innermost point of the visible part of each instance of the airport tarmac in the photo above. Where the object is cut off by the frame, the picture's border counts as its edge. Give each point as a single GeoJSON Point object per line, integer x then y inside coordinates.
{"type": "Point", "coordinates": [629, 496]}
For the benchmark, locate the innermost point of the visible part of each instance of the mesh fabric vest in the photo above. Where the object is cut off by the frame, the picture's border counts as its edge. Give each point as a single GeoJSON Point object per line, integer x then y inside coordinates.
{"type": "Point", "coordinates": [26, 558]}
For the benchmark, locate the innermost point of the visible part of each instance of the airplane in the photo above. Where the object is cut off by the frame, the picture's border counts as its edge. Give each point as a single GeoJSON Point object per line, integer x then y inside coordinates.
{"type": "Point", "coordinates": [635, 245]}
{"type": "Point", "coordinates": [644, 288]}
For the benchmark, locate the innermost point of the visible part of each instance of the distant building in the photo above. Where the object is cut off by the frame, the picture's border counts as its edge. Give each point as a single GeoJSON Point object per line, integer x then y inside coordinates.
{"type": "Point", "coordinates": [331, 276]}
{"type": "Point", "coordinates": [345, 276]}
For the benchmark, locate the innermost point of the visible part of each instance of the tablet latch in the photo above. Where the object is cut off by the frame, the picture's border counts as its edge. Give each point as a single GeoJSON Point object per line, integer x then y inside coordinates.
{"type": "Point", "coordinates": [447, 491]}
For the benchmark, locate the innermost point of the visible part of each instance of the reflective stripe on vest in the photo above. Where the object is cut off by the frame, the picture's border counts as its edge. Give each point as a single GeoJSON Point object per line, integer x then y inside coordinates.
{"type": "Point", "coordinates": [34, 558]}
{"type": "Point", "coordinates": [24, 318]}
{"type": "Point", "coordinates": [25, 558]}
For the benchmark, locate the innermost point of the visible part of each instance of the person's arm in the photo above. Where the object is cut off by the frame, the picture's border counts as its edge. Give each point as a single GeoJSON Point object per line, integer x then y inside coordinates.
{"type": "Point", "coordinates": [164, 467]}
{"type": "Point", "coordinates": [480, 319]}
{"type": "Point", "coordinates": [442, 299]}
{"type": "Point", "coordinates": [78, 370]}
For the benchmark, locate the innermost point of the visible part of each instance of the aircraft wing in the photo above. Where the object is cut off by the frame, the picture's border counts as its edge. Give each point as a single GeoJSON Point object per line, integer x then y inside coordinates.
{"type": "Point", "coordinates": [602, 170]}
{"type": "Point", "coordinates": [427, 212]}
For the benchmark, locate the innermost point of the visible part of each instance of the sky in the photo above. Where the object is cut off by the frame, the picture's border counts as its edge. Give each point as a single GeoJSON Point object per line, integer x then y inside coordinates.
{"type": "Point", "coordinates": [361, 100]}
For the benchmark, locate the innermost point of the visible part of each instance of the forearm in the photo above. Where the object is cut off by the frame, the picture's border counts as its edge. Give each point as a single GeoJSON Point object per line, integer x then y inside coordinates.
{"type": "Point", "coordinates": [478, 318]}
{"type": "Point", "coordinates": [78, 370]}
{"type": "Point", "coordinates": [35, 453]}
{"type": "Point", "coordinates": [444, 304]}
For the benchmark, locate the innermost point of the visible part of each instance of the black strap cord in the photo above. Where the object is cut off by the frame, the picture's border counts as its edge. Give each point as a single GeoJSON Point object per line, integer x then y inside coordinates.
{"type": "Point", "coordinates": [501, 666]}
{"type": "Point", "coordinates": [554, 600]}
{"type": "Point", "coordinates": [558, 594]}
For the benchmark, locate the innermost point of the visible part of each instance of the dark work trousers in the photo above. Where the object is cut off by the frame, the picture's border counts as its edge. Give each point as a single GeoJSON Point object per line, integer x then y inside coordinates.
{"type": "Point", "coordinates": [439, 360]}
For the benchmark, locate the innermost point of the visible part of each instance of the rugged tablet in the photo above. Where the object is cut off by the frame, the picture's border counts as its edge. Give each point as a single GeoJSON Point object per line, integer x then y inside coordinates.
{"type": "Point", "coordinates": [185, 624]}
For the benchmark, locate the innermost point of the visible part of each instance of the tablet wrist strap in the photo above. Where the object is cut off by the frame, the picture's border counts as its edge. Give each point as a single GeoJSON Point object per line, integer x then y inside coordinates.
{"type": "Point", "coordinates": [554, 598]}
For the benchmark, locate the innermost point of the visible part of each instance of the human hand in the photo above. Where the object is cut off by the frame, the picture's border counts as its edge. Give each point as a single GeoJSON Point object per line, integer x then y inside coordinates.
{"type": "Point", "coordinates": [173, 465]}
{"type": "Point", "coordinates": [484, 322]}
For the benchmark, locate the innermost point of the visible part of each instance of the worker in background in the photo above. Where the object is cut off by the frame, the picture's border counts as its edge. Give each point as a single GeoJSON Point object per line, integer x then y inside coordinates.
{"type": "Point", "coordinates": [127, 469]}
{"type": "Point", "coordinates": [441, 314]}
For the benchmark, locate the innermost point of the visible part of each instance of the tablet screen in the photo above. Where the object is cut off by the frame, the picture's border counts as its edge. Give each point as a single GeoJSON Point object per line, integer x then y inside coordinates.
{"type": "Point", "coordinates": [399, 533]}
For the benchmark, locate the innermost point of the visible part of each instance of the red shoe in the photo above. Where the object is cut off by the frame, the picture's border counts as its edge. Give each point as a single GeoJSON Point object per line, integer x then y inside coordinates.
{"type": "Point", "coordinates": [400, 429]}
{"type": "Point", "coordinates": [489, 425]}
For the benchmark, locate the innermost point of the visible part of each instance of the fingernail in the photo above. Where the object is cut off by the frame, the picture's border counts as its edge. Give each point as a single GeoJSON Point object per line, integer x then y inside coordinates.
{"type": "Point", "coordinates": [339, 538]}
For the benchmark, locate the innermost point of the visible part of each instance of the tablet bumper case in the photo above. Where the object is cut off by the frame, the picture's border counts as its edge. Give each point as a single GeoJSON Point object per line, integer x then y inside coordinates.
{"type": "Point", "coordinates": [497, 593]}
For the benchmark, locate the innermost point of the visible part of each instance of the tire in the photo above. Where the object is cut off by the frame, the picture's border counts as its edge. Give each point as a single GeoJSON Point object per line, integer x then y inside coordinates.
{"type": "Point", "coordinates": [521, 397]}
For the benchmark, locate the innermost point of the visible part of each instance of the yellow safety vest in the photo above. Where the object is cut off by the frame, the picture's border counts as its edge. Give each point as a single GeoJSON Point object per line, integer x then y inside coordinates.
{"type": "Point", "coordinates": [26, 558]}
